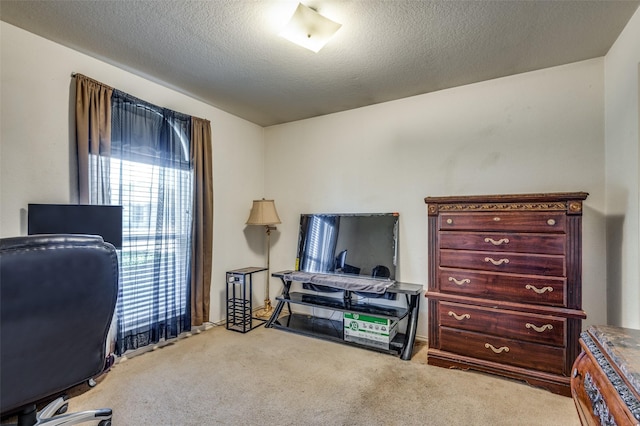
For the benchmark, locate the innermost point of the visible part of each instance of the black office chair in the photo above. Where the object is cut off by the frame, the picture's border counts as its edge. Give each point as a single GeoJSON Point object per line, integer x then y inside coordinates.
{"type": "Point", "coordinates": [380, 271]}
{"type": "Point", "coordinates": [58, 295]}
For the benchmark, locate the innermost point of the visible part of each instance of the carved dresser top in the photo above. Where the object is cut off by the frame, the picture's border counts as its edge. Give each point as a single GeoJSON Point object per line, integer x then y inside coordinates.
{"type": "Point", "coordinates": [623, 348]}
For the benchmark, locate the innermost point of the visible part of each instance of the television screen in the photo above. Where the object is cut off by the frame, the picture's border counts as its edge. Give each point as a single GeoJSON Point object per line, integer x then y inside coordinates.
{"type": "Point", "coordinates": [359, 244]}
{"type": "Point", "coordinates": [105, 221]}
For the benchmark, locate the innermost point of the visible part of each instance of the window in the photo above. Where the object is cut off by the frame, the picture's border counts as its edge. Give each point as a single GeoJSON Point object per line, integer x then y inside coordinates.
{"type": "Point", "coordinates": [150, 175]}
{"type": "Point", "coordinates": [155, 253]}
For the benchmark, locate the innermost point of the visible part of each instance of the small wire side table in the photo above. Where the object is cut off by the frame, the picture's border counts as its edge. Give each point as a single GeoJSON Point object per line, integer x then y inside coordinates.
{"type": "Point", "coordinates": [239, 300]}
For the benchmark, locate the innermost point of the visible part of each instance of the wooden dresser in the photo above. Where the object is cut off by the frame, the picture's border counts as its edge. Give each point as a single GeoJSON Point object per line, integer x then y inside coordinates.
{"type": "Point", "coordinates": [605, 383]}
{"type": "Point", "coordinates": [505, 285]}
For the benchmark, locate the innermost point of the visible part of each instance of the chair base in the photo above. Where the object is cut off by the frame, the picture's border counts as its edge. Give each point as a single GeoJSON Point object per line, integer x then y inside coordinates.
{"type": "Point", "coordinates": [53, 415]}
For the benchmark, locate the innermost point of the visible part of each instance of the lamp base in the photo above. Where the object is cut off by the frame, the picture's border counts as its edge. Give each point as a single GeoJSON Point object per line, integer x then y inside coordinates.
{"type": "Point", "coordinates": [268, 309]}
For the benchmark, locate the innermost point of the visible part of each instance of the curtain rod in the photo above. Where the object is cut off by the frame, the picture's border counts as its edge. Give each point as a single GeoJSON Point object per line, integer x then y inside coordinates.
{"type": "Point", "coordinates": [82, 76]}
{"type": "Point", "coordinates": [74, 74]}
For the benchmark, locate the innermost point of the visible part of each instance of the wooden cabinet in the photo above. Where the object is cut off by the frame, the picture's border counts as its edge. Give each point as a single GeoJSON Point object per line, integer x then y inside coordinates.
{"type": "Point", "coordinates": [505, 285]}
{"type": "Point", "coordinates": [605, 381]}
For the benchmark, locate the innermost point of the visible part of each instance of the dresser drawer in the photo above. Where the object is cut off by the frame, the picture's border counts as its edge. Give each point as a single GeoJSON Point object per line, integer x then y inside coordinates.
{"type": "Point", "coordinates": [592, 393]}
{"type": "Point", "coordinates": [518, 263]}
{"type": "Point", "coordinates": [547, 222]}
{"type": "Point", "coordinates": [511, 288]}
{"type": "Point", "coordinates": [534, 328]}
{"type": "Point", "coordinates": [535, 356]}
{"type": "Point", "coordinates": [503, 241]}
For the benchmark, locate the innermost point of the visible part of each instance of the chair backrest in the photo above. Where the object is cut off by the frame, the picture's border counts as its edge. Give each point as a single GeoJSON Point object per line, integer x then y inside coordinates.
{"type": "Point", "coordinates": [380, 271]}
{"type": "Point", "coordinates": [341, 261]}
{"type": "Point", "coordinates": [58, 295]}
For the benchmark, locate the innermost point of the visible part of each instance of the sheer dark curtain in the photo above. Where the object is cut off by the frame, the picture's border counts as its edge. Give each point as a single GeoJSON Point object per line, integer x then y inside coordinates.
{"type": "Point", "coordinates": [151, 176]}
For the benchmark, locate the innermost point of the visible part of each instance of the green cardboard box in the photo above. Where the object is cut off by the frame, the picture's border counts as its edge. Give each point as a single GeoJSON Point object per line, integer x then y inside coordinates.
{"type": "Point", "coordinates": [369, 330]}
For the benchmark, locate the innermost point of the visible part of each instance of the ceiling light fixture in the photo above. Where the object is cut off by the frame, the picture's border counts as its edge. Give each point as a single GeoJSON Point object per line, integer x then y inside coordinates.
{"type": "Point", "coordinates": [309, 29]}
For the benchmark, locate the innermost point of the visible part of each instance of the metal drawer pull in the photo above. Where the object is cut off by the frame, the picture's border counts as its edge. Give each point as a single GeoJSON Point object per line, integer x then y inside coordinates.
{"type": "Point", "coordinates": [538, 290]}
{"type": "Point", "coordinates": [496, 219]}
{"type": "Point", "coordinates": [539, 329]}
{"type": "Point", "coordinates": [498, 242]}
{"type": "Point", "coordinates": [551, 222]}
{"type": "Point", "coordinates": [460, 282]}
{"type": "Point", "coordinates": [449, 221]}
{"type": "Point", "coordinates": [496, 262]}
{"type": "Point", "coordinates": [459, 317]}
{"type": "Point", "coordinates": [496, 350]}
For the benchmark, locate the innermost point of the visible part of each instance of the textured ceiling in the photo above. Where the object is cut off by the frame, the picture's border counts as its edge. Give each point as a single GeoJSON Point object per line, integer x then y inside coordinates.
{"type": "Point", "coordinates": [227, 52]}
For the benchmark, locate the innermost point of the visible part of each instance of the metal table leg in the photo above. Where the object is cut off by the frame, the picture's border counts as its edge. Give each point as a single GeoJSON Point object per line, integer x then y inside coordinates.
{"type": "Point", "coordinates": [410, 336]}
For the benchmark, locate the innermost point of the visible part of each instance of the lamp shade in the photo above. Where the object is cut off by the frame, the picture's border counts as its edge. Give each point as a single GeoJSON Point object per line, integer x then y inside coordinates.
{"type": "Point", "coordinates": [263, 212]}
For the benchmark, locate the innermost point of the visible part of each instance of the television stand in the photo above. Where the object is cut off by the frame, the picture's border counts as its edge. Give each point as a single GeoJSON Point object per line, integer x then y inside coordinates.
{"type": "Point", "coordinates": [333, 329]}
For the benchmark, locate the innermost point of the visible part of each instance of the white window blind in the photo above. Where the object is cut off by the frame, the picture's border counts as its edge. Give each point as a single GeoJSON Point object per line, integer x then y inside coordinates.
{"type": "Point", "coordinates": [154, 261]}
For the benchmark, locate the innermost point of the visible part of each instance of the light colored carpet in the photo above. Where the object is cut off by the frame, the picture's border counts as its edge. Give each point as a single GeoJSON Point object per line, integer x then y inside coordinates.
{"type": "Point", "coordinates": [267, 376]}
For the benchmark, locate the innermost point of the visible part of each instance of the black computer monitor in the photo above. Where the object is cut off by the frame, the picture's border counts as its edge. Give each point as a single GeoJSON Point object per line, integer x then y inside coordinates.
{"type": "Point", "coordinates": [105, 221]}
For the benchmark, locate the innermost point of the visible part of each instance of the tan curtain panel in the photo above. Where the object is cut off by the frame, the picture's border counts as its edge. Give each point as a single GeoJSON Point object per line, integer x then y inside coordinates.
{"type": "Point", "coordinates": [93, 127]}
{"type": "Point", "coordinates": [202, 241]}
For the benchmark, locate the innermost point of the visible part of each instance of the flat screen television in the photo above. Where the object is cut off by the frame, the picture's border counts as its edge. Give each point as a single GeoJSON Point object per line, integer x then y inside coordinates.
{"type": "Point", "coordinates": [358, 244]}
{"type": "Point", "coordinates": [105, 221]}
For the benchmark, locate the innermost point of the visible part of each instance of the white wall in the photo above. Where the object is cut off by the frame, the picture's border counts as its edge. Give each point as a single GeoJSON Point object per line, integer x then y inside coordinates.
{"type": "Point", "coordinates": [38, 135]}
{"type": "Point", "coordinates": [622, 121]}
{"type": "Point", "coordinates": [541, 131]}
{"type": "Point", "coordinates": [535, 132]}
